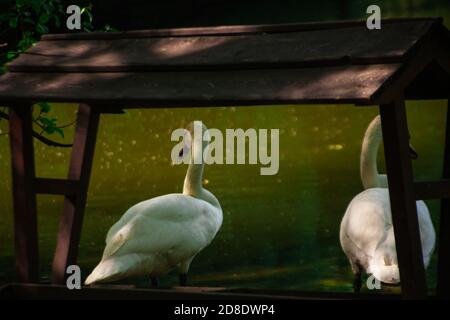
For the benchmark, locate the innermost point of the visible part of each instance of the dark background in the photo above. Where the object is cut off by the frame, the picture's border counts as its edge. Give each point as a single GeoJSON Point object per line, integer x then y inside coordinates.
{"type": "Point", "coordinates": [137, 14]}
{"type": "Point", "coordinates": [140, 14]}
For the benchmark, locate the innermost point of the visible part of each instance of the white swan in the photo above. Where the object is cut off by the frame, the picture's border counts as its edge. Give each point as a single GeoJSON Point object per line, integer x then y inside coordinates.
{"type": "Point", "coordinates": [366, 234]}
{"type": "Point", "coordinates": [160, 234]}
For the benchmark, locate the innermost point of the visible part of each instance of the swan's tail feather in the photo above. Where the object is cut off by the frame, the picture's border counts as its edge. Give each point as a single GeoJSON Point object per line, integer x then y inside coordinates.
{"type": "Point", "coordinates": [115, 268]}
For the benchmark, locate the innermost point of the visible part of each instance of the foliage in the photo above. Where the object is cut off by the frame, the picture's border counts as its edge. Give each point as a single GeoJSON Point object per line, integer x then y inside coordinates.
{"type": "Point", "coordinates": [29, 19]}
{"type": "Point", "coordinates": [26, 20]}
{"type": "Point", "coordinates": [47, 124]}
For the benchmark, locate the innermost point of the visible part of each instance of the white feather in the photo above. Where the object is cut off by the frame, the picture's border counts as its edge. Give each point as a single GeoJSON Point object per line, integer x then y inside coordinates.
{"type": "Point", "coordinates": [157, 235]}
{"type": "Point", "coordinates": [366, 233]}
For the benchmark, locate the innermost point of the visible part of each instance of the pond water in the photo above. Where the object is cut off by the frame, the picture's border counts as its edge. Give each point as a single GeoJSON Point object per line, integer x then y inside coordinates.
{"type": "Point", "coordinates": [279, 232]}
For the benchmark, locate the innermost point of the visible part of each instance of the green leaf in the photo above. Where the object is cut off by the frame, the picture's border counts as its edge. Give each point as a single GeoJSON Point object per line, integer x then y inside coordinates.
{"type": "Point", "coordinates": [59, 131]}
{"type": "Point", "coordinates": [29, 21]}
{"type": "Point", "coordinates": [28, 34]}
{"type": "Point", "coordinates": [87, 26]}
{"type": "Point", "coordinates": [47, 6]}
{"type": "Point", "coordinates": [57, 21]}
{"type": "Point", "coordinates": [89, 14]}
{"type": "Point", "coordinates": [25, 43]}
{"type": "Point", "coordinates": [49, 130]}
{"type": "Point", "coordinates": [40, 28]}
{"type": "Point", "coordinates": [47, 122]}
{"type": "Point", "coordinates": [43, 19]}
{"type": "Point", "coordinates": [13, 22]}
{"type": "Point", "coordinates": [44, 107]}
{"type": "Point", "coordinates": [11, 55]}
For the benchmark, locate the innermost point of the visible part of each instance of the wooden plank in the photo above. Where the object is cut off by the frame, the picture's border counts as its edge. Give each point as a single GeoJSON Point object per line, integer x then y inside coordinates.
{"type": "Point", "coordinates": [432, 83]}
{"type": "Point", "coordinates": [117, 292]}
{"type": "Point", "coordinates": [441, 48]}
{"type": "Point", "coordinates": [80, 169]}
{"type": "Point", "coordinates": [443, 269]}
{"type": "Point", "coordinates": [425, 190]}
{"type": "Point", "coordinates": [56, 186]}
{"type": "Point", "coordinates": [24, 197]}
{"type": "Point", "coordinates": [171, 66]}
{"type": "Point", "coordinates": [351, 84]}
{"type": "Point", "coordinates": [353, 45]}
{"type": "Point", "coordinates": [228, 30]}
{"type": "Point", "coordinates": [421, 57]}
{"type": "Point", "coordinates": [403, 204]}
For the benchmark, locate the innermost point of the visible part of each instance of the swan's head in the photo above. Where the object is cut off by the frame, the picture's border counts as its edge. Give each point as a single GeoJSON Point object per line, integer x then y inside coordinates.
{"type": "Point", "coordinates": [186, 145]}
{"type": "Point", "coordinates": [374, 133]}
{"type": "Point", "coordinates": [385, 267]}
{"type": "Point", "coordinates": [386, 274]}
{"type": "Point", "coordinates": [196, 136]}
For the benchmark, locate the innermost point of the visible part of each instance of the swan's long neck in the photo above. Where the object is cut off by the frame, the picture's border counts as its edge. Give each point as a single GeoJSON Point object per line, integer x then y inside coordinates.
{"type": "Point", "coordinates": [368, 163]}
{"type": "Point", "coordinates": [194, 175]}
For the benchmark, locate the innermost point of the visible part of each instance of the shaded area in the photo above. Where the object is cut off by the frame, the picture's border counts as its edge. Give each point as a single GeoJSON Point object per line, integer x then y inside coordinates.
{"type": "Point", "coordinates": [346, 84]}
{"type": "Point", "coordinates": [322, 63]}
{"type": "Point", "coordinates": [279, 232]}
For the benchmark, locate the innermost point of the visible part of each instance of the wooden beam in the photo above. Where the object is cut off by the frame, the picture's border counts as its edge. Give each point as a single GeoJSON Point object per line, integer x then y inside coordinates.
{"type": "Point", "coordinates": [122, 292]}
{"type": "Point", "coordinates": [355, 45]}
{"type": "Point", "coordinates": [425, 190]}
{"type": "Point", "coordinates": [343, 84]}
{"type": "Point", "coordinates": [80, 169]}
{"type": "Point", "coordinates": [56, 186]}
{"type": "Point", "coordinates": [228, 30]}
{"type": "Point", "coordinates": [225, 66]}
{"type": "Point", "coordinates": [403, 204]}
{"type": "Point", "coordinates": [443, 269]}
{"type": "Point", "coordinates": [24, 197]}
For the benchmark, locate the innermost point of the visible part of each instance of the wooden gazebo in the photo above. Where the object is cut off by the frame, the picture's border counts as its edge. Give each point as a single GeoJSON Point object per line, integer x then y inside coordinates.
{"type": "Point", "coordinates": [314, 63]}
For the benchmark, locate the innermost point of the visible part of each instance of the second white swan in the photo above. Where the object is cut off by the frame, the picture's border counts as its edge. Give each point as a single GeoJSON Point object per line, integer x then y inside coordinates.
{"type": "Point", "coordinates": [367, 234]}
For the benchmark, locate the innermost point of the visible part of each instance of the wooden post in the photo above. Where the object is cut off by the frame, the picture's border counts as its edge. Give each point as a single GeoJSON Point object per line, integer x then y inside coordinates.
{"type": "Point", "coordinates": [443, 271]}
{"type": "Point", "coordinates": [403, 204]}
{"type": "Point", "coordinates": [74, 205]}
{"type": "Point", "coordinates": [24, 197]}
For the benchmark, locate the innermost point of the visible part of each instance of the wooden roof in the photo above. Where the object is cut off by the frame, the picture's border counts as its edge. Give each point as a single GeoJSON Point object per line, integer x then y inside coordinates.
{"type": "Point", "coordinates": [340, 62]}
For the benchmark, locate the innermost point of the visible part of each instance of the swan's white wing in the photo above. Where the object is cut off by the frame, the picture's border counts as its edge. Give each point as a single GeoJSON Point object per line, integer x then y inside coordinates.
{"type": "Point", "coordinates": [427, 233]}
{"type": "Point", "coordinates": [365, 225]}
{"type": "Point", "coordinates": [165, 225]}
{"type": "Point", "coordinates": [126, 217]}
{"type": "Point", "coordinates": [367, 233]}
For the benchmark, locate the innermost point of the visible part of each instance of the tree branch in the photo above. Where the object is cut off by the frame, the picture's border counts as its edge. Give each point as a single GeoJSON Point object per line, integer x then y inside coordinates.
{"type": "Point", "coordinates": [40, 137]}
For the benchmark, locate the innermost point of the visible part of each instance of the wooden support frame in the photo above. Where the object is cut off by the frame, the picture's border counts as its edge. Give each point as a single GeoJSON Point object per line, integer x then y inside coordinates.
{"type": "Point", "coordinates": [402, 198]}
{"type": "Point", "coordinates": [26, 186]}
{"type": "Point", "coordinates": [24, 197]}
{"type": "Point", "coordinates": [425, 190]}
{"type": "Point", "coordinates": [56, 186]}
{"type": "Point", "coordinates": [74, 204]}
{"type": "Point", "coordinates": [268, 78]}
{"type": "Point", "coordinates": [443, 269]}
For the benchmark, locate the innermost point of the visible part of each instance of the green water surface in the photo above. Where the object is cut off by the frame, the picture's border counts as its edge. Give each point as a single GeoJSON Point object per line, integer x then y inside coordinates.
{"type": "Point", "coordinates": [279, 231]}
